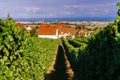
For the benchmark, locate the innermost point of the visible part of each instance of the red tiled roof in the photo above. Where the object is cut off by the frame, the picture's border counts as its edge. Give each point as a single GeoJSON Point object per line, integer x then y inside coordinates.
{"type": "Point", "coordinates": [85, 30]}
{"type": "Point", "coordinates": [61, 25]}
{"type": "Point", "coordinates": [44, 25]}
{"type": "Point", "coordinates": [20, 25]}
{"type": "Point", "coordinates": [72, 31]}
{"type": "Point", "coordinates": [46, 29]}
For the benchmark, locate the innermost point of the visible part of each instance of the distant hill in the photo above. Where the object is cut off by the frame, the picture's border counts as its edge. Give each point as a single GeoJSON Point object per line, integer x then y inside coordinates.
{"type": "Point", "coordinates": [68, 19]}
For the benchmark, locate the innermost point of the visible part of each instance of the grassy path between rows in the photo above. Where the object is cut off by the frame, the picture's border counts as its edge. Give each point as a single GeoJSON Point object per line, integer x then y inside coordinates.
{"type": "Point", "coordinates": [62, 70]}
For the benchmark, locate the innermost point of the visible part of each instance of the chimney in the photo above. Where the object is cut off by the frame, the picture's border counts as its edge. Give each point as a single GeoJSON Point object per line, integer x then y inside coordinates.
{"type": "Point", "coordinates": [57, 33]}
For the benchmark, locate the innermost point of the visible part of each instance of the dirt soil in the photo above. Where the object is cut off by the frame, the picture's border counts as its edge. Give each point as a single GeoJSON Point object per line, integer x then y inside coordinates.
{"type": "Point", "coordinates": [60, 67]}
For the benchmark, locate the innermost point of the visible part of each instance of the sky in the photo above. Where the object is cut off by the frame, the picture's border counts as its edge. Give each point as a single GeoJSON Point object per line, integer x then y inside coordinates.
{"type": "Point", "coordinates": [58, 8]}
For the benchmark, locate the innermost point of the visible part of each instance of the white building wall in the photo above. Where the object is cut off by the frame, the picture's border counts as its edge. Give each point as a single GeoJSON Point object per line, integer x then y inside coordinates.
{"type": "Point", "coordinates": [48, 36]}
{"type": "Point", "coordinates": [28, 28]}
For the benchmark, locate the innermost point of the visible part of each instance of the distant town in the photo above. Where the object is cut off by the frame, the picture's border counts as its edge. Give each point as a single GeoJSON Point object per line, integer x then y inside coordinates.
{"type": "Point", "coordinates": [66, 29]}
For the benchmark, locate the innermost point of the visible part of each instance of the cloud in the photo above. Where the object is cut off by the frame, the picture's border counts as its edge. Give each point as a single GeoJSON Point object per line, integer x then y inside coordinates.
{"type": "Point", "coordinates": [57, 8]}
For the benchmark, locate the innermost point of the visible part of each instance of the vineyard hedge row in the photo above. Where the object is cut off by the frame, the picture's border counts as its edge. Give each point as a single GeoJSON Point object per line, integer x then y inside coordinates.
{"type": "Point", "coordinates": [99, 58]}
{"type": "Point", "coordinates": [23, 57]}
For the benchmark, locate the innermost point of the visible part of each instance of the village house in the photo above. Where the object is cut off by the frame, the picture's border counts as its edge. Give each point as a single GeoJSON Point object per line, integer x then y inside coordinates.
{"type": "Point", "coordinates": [84, 32]}
{"type": "Point", "coordinates": [56, 31]}
{"type": "Point", "coordinates": [20, 25]}
{"type": "Point", "coordinates": [52, 31]}
{"type": "Point", "coordinates": [29, 28]}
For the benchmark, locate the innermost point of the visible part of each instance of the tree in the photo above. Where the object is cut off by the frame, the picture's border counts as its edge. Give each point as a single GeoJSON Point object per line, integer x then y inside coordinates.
{"type": "Point", "coordinates": [9, 17]}
{"type": "Point", "coordinates": [118, 4]}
